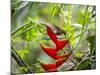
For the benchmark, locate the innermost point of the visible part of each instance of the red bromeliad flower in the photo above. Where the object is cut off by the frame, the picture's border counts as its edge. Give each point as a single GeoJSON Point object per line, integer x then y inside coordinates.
{"type": "Point", "coordinates": [52, 52]}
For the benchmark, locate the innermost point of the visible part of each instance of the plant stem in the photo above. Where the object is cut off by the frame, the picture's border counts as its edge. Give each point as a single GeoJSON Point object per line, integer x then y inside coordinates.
{"type": "Point", "coordinates": [17, 29]}
{"type": "Point", "coordinates": [84, 59]}
{"type": "Point", "coordinates": [20, 62]}
{"type": "Point", "coordinates": [24, 31]}
{"type": "Point", "coordinates": [82, 28]}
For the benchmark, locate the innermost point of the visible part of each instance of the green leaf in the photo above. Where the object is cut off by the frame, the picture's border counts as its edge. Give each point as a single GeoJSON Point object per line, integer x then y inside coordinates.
{"type": "Point", "coordinates": [22, 53]}
{"type": "Point", "coordinates": [79, 54]}
{"type": "Point", "coordinates": [23, 68]}
{"type": "Point", "coordinates": [55, 11]}
{"type": "Point", "coordinates": [29, 32]}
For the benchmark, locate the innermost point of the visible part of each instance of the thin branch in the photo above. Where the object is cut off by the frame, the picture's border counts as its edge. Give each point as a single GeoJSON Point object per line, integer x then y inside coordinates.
{"type": "Point", "coordinates": [72, 61]}
{"type": "Point", "coordinates": [82, 27]}
{"type": "Point", "coordinates": [24, 31]}
{"type": "Point", "coordinates": [17, 29]}
{"type": "Point", "coordinates": [20, 62]}
{"type": "Point", "coordinates": [84, 59]}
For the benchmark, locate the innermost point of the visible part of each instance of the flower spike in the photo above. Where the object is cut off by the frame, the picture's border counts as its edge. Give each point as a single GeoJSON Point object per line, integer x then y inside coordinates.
{"type": "Point", "coordinates": [52, 52]}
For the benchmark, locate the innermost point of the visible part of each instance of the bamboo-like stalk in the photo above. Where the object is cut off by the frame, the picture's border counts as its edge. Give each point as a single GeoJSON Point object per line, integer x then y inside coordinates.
{"type": "Point", "coordinates": [19, 61]}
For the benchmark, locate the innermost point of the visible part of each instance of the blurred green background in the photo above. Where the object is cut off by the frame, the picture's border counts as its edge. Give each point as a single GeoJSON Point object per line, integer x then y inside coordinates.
{"type": "Point", "coordinates": [28, 21]}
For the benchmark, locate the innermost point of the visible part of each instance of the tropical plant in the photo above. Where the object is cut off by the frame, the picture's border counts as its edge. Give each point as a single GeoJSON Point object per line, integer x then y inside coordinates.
{"type": "Point", "coordinates": [47, 37]}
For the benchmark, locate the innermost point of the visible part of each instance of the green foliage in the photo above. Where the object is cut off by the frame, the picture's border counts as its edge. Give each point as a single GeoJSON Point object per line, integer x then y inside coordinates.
{"type": "Point", "coordinates": [85, 65]}
{"type": "Point", "coordinates": [38, 68]}
{"type": "Point", "coordinates": [55, 11]}
{"type": "Point", "coordinates": [79, 54]}
{"type": "Point", "coordinates": [22, 53]}
{"type": "Point", "coordinates": [92, 41]}
{"type": "Point", "coordinates": [28, 29]}
{"type": "Point", "coordinates": [23, 68]}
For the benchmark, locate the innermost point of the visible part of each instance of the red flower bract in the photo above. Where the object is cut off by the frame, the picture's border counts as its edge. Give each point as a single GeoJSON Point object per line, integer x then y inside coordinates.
{"type": "Point", "coordinates": [52, 52]}
{"type": "Point", "coordinates": [53, 67]}
{"type": "Point", "coordinates": [61, 43]}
